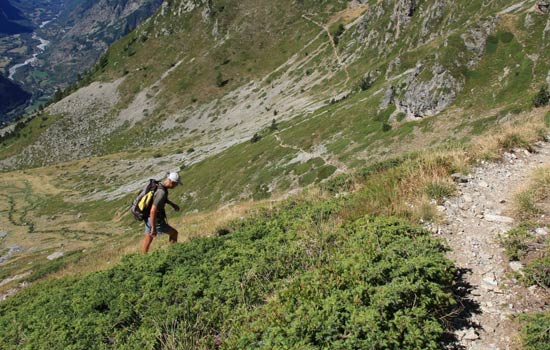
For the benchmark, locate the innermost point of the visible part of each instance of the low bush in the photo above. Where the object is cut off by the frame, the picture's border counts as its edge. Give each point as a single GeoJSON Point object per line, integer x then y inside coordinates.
{"type": "Point", "coordinates": [516, 242]}
{"type": "Point", "coordinates": [338, 184]}
{"type": "Point", "coordinates": [291, 278]}
{"type": "Point", "coordinates": [513, 140]}
{"type": "Point", "coordinates": [385, 287]}
{"type": "Point", "coordinates": [538, 272]}
{"type": "Point", "coordinates": [542, 98]}
{"type": "Point", "coordinates": [536, 331]}
{"type": "Point", "coordinates": [439, 190]}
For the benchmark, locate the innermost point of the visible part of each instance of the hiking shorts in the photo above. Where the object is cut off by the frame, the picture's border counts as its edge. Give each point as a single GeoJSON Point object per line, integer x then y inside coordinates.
{"type": "Point", "coordinates": [162, 227]}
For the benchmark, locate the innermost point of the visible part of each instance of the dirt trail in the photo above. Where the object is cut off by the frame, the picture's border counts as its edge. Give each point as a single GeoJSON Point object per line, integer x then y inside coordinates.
{"type": "Point", "coordinates": [334, 48]}
{"type": "Point", "coordinates": [473, 222]}
{"type": "Point", "coordinates": [319, 152]}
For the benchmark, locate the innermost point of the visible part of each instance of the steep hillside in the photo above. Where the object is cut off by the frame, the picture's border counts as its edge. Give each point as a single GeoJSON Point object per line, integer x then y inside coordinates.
{"type": "Point", "coordinates": [322, 86]}
{"type": "Point", "coordinates": [12, 20]}
{"type": "Point", "coordinates": [82, 32]}
{"type": "Point", "coordinates": [11, 97]}
{"type": "Point", "coordinates": [67, 39]}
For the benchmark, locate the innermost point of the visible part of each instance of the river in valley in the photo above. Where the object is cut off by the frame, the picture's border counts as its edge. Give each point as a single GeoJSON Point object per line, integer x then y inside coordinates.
{"type": "Point", "coordinates": [41, 47]}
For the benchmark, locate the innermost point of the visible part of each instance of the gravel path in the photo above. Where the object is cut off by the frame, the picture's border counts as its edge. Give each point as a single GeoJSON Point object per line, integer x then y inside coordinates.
{"type": "Point", "coordinates": [473, 222]}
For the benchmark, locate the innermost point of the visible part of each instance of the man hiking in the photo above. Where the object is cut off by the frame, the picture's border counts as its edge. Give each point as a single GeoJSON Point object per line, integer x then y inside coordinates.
{"type": "Point", "coordinates": [156, 222]}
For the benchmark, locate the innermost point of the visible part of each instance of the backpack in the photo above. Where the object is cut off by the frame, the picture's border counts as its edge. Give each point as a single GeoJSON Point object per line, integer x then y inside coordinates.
{"type": "Point", "coordinates": [142, 204]}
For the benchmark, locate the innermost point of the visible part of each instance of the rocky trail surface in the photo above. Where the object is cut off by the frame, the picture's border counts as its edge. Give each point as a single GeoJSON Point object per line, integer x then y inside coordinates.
{"type": "Point", "coordinates": [474, 221]}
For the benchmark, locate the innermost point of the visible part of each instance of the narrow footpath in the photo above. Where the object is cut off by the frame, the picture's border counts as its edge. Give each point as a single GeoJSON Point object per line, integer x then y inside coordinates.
{"type": "Point", "coordinates": [474, 220]}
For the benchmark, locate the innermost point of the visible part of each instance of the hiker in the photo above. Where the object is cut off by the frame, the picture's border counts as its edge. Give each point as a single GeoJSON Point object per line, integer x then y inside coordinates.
{"type": "Point", "coordinates": [156, 222]}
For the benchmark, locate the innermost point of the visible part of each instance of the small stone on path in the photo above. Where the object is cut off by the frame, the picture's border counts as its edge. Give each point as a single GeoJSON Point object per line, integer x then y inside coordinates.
{"type": "Point", "coordinates": [499, 218]}
{"type": "Point", "coordinates": [55, 255]}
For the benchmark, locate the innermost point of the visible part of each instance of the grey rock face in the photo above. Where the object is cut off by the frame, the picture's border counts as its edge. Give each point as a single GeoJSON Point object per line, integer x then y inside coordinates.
{"type": "Point", "coordinates": [476, 38]}
{"type": "Point", "coordinates": [12, 249]}
{"type": "Point", "coordinates": [432, 17]}
{"type": "Point", "coordinates": [430, 87]}
{"type": "Point", "coordinates": [419, 97]}
{"type": "Point", "coordinates": [402, 13]}
{"type": "Point", "coordinates": [387, 100]}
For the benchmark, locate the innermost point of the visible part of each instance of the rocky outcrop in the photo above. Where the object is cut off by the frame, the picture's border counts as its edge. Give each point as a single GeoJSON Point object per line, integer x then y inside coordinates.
{"type": "Point", "coordinates": [425, 91]}
{"type": "Point", "coordinates": [432, 18]}
{"type": "Point", "coordinates": [180, 8]}
{"type": "Point", "coordinates": [402, 14]}
{"type": "Point", "coordinates": [475, 39]}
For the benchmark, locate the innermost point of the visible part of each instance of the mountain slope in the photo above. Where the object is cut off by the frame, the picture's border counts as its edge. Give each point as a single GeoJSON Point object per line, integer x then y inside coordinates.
{"type": "Point", "coordinates": [73, 40]}
{"type": "Point", "coordinates": [12, 20]}
{"type": "Point", "coordinates": [198, 78]}
{"type": "Point", "coordinates": [84, 30]}
{"type": "Point", "coordinates": [12, 96]}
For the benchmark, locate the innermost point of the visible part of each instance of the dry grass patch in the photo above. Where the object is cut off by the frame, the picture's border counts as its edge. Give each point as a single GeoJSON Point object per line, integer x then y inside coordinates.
{"type": "Point", "coordinates": [533, 201]}
{"type": "Point", "coordinates": [522, 132]}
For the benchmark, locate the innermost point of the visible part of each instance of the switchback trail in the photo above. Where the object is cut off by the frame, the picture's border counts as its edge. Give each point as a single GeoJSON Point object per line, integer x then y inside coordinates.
{"type": "Point", "coordinates": [319, 152]}
{"type": "Point", "coordinates": [474, 220]}
{"type": "Point", "coordinates": [334, 48]}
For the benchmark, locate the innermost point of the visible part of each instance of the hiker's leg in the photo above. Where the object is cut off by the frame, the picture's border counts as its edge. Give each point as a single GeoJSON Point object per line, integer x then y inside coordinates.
{"type": "Point", "coordinates": [147, 239]}
{"type": "Point", "coordinates": [173, 234]}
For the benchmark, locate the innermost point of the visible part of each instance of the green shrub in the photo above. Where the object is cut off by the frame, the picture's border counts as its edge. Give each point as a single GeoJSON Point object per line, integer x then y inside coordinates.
{"type": "Point", "coordinates": [535, 333]}
{"type": "Point", "coordinates": [439, 190]}
{"type": "Point", "coordinates": [505, 37]}
{"type": "Point", "coordinates": [337, 33]}
{"type": "Point", "coordinates": [338, 184]}
{"type": "Point", "coordinates": [365, 83]}
{"type": "Point", "coordinates": [513, 140]}
{"type": "Point", "coordinates": [278, 279]}
{"type": "Point", "coordinates": [515, 242]}
{"type": "Point", "coordinates": [538, 272]}
{"type": "Point", "coordinates": [383, 288]}
{"type": "Point", "coordinates": [220, 80]}
{"type": "Point", "coordinates": [255, 138]}
{"type": "Point", "coordinates": [542, 98]}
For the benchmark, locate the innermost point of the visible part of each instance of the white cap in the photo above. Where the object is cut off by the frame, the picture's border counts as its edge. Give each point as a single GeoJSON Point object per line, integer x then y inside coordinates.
{"type": "Point", "coordinates": [174, 177]}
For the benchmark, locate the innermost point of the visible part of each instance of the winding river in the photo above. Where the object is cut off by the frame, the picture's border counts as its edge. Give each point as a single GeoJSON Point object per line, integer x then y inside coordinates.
{"type": "Point", "coordinates": [41, 47]}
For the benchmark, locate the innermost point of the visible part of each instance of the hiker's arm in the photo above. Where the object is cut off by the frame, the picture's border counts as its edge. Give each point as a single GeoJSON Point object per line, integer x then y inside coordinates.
{"type": "Point", "coordinates": [174, 205]}
{"type": "Point", "coordinates": [152, 219]}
